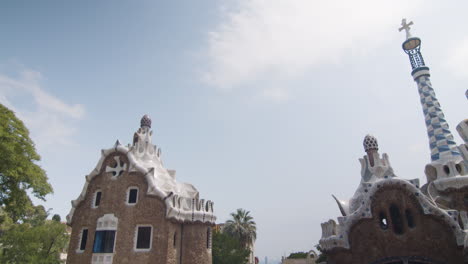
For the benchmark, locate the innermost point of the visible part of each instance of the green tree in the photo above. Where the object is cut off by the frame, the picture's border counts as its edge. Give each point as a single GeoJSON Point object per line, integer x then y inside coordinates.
{"type": "Point", "coordinates": [228, 250]}
{"type": "Point", "coordinates": [242, 227]}
{"type": "Point", "coordinates": [42, 244]}
{"type": "Point", "coordinates": [56, 218]}
{"type": "Point", "coordinates": [298, 255]}
{"type": "Point", "coordinates": [18, 169]}
{"type": "Point", "coordinates": [26, 236]}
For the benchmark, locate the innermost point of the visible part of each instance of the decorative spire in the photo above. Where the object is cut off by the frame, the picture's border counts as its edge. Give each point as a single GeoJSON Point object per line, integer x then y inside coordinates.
{"type": "Point", "coordinates": [145, 121]}
{"type": "Point", "coordinates": [143, 147]}
{"type": "Point", "coordinates": [406, 27]}
{"type": "Point", "coordinates": [442, 145]}
{"type": "Point", "coordinates": [370, 143]}
{"type": "Point", "coordinates": [370, 147]}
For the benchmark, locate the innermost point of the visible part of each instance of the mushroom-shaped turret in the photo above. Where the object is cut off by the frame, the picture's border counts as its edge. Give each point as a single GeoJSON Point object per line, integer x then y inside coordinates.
{"type": "Point", "coordinates": [370, 147]}
{"type": "Point", "coordinates": [370, 143]}
{"type": "Point", "coordinates": [145, 121]}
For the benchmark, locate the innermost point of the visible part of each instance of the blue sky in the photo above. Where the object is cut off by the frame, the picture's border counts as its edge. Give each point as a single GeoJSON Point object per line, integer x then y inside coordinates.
{"type": "Point", "coordinates": [261, 105]}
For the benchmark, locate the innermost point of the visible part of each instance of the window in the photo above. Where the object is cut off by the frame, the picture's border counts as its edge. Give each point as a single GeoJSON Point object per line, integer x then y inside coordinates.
{"type": "Point", "coordinates": [143, 238]}
{"type": "Point", "coordinates": [208, 237]}
{"type": "Point", "coordinates": [97, 199]}
{"type": "Point", "coordinates": [409, 218]}
{"type": "Point", "coordinates": [132, 195]}
{"type": "Point", "coordinates": [383, 221]}
{"type": "Point", "coordinates": [83, 239]}
{"type": "Point", "coordinates": [104, 241]}
{"type": "Point", "coordinates": [175, 239]}
{"type": "Point", "coordinates": [397, 222]}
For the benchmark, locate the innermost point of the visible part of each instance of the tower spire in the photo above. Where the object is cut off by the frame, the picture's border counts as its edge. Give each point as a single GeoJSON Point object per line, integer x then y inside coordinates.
{"type": "Point", "coordinates": [444, 152]}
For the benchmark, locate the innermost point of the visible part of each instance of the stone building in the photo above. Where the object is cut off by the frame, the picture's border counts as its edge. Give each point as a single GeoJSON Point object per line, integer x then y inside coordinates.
{"type": "Point", "coordinates": [392, 220]}
{"type": "Point", "coordinates": [132, 210]}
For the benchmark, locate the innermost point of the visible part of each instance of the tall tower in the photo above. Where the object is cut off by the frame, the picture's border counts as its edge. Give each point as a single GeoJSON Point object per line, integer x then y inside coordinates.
{"type": "Point", "coordinates": [446, 161]}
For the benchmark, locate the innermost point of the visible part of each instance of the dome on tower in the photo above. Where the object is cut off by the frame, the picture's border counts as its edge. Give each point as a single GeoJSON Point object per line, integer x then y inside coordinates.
{"type": "Point", "coordinates": [145, 121]}
{"type": "Point", "coordinates": [370, 143]}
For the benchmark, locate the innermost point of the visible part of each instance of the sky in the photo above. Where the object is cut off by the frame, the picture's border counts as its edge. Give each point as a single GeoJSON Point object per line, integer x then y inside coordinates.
{"type": "Point", "coordinates": [262, 105]}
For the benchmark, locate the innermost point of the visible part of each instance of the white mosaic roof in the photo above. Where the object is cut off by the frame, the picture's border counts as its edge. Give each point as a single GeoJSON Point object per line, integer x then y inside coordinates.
{"type": "Point", "coordinates": [181, 199]}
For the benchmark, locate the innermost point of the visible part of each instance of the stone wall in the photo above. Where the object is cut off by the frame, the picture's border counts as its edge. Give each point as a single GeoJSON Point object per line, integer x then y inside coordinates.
{"type": "Point", "coordinates": [190, 244]}
{"type": "Point", "coordinates": [421, 236]}
{"type": "Point", "coordinates": [195, 249]}
{"type": "Point", "coordinates": [147, 211]}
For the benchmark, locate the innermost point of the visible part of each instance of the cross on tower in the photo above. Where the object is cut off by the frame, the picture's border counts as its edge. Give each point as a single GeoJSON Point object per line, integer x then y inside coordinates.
{"type": "Point", "coordinates": [406, 27]}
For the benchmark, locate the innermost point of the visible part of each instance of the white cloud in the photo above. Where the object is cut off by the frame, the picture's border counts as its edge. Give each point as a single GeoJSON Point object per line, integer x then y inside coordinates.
{"type": "Point", "coordinates": [265, 39]}
{"type": "Point", "coordinates": [48, 118]}
{"type": "Point", "coordinates": [457, 59]}
{"type": "Point", "coordinates": [276, 94]}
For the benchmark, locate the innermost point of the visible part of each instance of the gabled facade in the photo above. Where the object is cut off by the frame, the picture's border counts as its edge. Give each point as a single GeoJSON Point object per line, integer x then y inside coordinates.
{"type": "Point", "coordinates": [391, 220]}
{"type": "Point", "coordinates": [132, 210]}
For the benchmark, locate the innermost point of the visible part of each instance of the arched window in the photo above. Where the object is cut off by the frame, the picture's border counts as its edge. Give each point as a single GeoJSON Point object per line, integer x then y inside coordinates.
{"type": "Point", "coordinates": [409, 218]}
{"type": "Point", "coordinates": [446, 169]}
{"type": "Point", "coordinates": [397, 222]}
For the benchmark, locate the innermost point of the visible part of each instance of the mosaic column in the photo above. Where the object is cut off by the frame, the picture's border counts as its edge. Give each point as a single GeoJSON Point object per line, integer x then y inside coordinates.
{"type": "Point", "coordinates": [444, 152]}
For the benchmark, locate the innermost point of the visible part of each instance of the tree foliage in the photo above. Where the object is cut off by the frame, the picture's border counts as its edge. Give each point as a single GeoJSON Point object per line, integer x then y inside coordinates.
{"type": "Point", "coordinates": [42, 244]}
{"type": "Point", "coordinates": [26, 236]}
{"type": "Point", "coordinates": [242, 227]}
{"type": "Point", "coordinates": [298, 255]}
{"type": "Point", "coordinates": [228, 250]}
{"type": "Point", "coordinates": [18, 169]}
{"type": "Point", "coordinates": [35, 240]}
{"type": "Point", "coordinates": [56, 218]}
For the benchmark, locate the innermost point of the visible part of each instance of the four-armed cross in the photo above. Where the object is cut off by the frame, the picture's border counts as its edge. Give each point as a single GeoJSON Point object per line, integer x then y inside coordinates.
{"type": "Point", "coordinates": [406, 27]}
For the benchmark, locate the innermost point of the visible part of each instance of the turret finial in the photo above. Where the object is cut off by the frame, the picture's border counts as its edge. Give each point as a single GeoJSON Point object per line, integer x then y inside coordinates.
{"type": "Point", "coordinates": [406, 26]}
{"type": "Point", "coordinates": [145, 121]}
{"type": "Point", "coordinates": [370, 143]}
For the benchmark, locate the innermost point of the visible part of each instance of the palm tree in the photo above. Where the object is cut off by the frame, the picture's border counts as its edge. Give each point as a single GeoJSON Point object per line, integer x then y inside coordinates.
{"type": "Point", "coordinates": [242, 227]}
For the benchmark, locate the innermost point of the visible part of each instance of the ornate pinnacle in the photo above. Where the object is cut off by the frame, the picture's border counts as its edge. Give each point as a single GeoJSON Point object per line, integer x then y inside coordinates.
{"type": "Point", "coordinates": [145, 121]}
{"type": "Point", "coordinates": [406, 26]}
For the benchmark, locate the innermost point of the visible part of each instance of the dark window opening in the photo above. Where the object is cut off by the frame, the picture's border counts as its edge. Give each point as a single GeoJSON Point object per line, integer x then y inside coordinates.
{"type": "Point", "coordinates": [465, 199]}
{"type": "Point", "coordinates": [132, 196]}
{"type": "Point", "coordinates": [397, 222]}
{"type": "Point", "coordinates": [84, 239]}
{"type": "Point", "coordinates": [383, 221]}
{"type": "Point", "coordinates": [208, 237]}
{"type": "Point", "coordinates": [104, 241]}
{"type": "Point", "coordinates": [144, 237]}
{"type": "Point", "coordinates": [175, 239]}
{"type": "Point", "coordinates": [458, 167]}
{"type": "Point", "coordinates": [409, 218]}
{"type": "Point", "coordinates": [446, 170]}
{"type": "Point", "coordinates": [97, 200]}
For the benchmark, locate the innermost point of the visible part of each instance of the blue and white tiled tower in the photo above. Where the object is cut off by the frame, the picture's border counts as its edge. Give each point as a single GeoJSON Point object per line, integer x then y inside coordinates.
{"type": "Point", "coordinates": [446, 160]}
